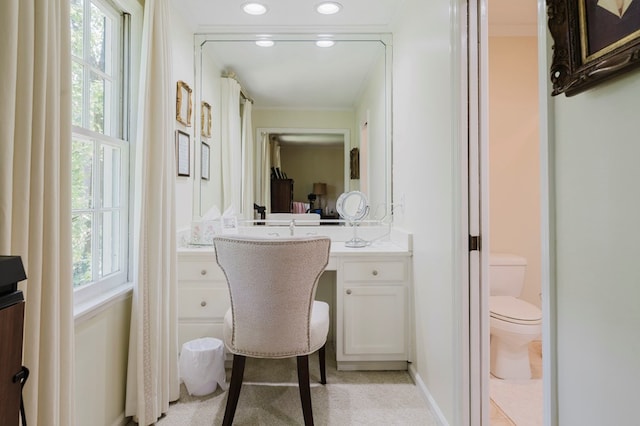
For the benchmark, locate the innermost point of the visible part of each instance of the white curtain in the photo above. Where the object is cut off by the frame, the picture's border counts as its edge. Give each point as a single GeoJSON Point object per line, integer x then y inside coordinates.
{"type": "Point", "coordinates": [248, 162]}
{"type": "Point", "coordinates": [35, 194]}
{"type": "Point", "coordinates": [152, 375]}
{"type": "Point", "coordinates": [275, 154]}
{"type": "Point", "coordinates": [263, 172]}
{"type": "Point", "coordinates": [231, 144]}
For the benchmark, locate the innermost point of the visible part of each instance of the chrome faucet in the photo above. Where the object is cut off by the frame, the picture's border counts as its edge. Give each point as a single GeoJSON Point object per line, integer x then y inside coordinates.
{"type": "Point", "coordinates": [292, 226]}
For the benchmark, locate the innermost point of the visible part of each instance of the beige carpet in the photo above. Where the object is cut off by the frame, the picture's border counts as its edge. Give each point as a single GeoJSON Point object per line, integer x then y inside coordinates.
{"type": "Point", "coordinates": [348, 398]}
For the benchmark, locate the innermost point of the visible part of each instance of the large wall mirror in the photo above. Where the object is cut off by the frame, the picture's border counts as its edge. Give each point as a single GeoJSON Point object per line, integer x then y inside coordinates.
{"type": "Point", "coordinates": [314, 100]}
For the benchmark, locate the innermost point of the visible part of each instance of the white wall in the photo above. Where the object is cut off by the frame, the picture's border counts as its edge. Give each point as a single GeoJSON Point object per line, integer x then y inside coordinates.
{"type": "Point", "coordinates": [371, 110]}
{"type": "Point", "coordinates": [210, 191]}
{"type": "Point", "coordinates": [101, 353]}
{"type": "Point", "coordinates": [303, 119]}
{"type": "Point", "coordinates": [514, 154]}
{"type": "Point", "coordinates": [183, 63]}
{"type": "Point", "coordinates": [596, 148]}
{"type": "Point", "coordinates": [424, 178]}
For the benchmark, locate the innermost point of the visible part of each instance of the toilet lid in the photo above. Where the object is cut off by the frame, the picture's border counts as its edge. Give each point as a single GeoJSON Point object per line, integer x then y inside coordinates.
{"type": "Point", "coordinates": [512, 309]}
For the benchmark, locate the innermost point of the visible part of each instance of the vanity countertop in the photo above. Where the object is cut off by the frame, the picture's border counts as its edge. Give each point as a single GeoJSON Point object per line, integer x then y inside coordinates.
{"type": "Point", "coordinates": [337, 248]}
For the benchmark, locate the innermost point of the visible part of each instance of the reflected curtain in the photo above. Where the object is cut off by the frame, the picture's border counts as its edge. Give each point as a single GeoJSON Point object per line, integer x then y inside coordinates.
{"type": "Point", "coordinates": [263, 172]}
{"type": "Point", "coordinates": [248, 162]}
{"type": "Point", "coordinates": [35, 194]}
{"type": "Point", "coordinates": [152, 375]}
{"type": "Point", "coordinates": [231, 144]}
{"type": "Point", "coordinates": [275, 154]}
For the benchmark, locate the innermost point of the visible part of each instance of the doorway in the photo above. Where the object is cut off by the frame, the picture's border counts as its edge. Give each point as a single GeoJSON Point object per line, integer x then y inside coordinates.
{"type": "Point", "coordinates": [510, 199]}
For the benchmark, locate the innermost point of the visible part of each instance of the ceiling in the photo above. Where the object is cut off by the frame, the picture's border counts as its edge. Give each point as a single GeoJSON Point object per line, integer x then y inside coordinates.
{"type": "Point", "coordinates": [317, 78]}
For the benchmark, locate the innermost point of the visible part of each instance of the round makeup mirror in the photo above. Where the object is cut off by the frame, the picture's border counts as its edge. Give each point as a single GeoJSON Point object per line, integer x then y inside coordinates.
{"type": "Point", "coordinates": [353, 207]}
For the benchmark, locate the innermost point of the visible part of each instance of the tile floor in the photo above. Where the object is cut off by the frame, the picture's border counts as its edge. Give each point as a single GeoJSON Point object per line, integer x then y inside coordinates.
{"type": "Point", "coordinates": [497, 417]}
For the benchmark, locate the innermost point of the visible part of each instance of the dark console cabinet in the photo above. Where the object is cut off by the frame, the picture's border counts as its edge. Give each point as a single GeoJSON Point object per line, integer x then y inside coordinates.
{"type": "Point", "coordinates": [11, 323]}
{"type": "Point", "coordinates": [11, 335]}
{"type": "Point", "coordinates": [281, 195]}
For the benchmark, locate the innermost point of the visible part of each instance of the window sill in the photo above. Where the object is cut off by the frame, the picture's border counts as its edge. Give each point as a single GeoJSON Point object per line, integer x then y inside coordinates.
{"type": "Point", "coordinates": [90, 309]}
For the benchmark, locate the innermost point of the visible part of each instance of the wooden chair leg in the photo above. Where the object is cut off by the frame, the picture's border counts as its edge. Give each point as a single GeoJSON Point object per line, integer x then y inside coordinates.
{"type": "Point", "coordinates": [305, 390]}
{"type": "Point", "coordinates": [323, 373]}
{"type": "Point", "coordinates": [237, 372]}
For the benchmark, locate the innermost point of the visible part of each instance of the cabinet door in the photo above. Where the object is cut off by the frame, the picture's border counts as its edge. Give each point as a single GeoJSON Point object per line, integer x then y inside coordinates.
{"type": "Point", "coordinates": [374, 320]}
{"type": "Point", "coordinates": [11, 324]}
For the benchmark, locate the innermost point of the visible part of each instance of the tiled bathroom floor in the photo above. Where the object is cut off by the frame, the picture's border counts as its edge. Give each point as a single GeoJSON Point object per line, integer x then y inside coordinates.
{"type": "Point", "coordinates": [497, 417]}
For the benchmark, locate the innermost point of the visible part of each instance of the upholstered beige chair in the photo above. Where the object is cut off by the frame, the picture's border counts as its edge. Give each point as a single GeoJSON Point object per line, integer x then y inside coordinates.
{"type": "Point", "coordinates": [272, 283]}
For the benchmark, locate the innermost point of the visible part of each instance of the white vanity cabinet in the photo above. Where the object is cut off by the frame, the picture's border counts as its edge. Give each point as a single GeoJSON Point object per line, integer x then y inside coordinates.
{"type": "Point", "coordinates": [372, 312]}
{"type": "Point", "coordinates": [203, 296]}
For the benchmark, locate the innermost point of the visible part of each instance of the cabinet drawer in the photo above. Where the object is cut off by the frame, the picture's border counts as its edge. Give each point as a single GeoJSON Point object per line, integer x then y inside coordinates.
{"type": "Point", "coordinates": [209, 303]}
{"type": "Point", "coordinates": [199, 270]}
{"type": "Point", "coordinates": [372, 271]}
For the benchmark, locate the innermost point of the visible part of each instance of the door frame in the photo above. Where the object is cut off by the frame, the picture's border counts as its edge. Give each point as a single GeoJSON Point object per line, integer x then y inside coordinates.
{"type": "Point", "coordinates": [477, 167]}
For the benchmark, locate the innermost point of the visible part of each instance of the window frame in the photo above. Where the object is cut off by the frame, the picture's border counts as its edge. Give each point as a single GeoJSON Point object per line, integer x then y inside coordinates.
{"type": "Point", "coordinates": [118, 136]}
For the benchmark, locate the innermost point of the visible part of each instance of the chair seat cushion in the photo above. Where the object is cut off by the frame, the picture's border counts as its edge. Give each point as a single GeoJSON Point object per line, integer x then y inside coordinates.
{"type": "Point", "coordinates": [318, 330]}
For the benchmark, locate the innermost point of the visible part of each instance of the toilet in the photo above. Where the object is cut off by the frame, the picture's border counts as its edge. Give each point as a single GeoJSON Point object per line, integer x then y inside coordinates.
{"type": "Point", "coordinates": [513, 322]}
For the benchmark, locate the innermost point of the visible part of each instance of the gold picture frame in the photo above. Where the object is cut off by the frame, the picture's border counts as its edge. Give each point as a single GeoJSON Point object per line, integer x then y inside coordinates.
{"type": "Point", "coordinates": [184, 103]}
{"type": "Point", "coordinates": [205, 119]}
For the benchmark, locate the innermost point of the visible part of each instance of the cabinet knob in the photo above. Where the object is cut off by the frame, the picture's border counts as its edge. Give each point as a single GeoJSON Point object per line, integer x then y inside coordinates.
{"type": "Point", "coordinates": [203, 272]}
{"type": "Point", "coordinates": [203, 303]}
{"type": "Point", "coordinates": [349, 291]}
{"type": "Point", "coordinates": [375, 273]}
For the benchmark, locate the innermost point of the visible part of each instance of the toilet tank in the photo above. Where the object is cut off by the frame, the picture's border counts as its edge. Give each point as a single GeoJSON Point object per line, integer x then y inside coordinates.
{"type": "Point", "coordinates": [506, 274]}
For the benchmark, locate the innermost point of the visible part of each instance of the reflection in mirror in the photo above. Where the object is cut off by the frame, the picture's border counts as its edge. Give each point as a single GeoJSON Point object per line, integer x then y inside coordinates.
{"type": "Point", "coordinates": [297, 87]}
{"type": "Point", "coordinates": [353, 206]}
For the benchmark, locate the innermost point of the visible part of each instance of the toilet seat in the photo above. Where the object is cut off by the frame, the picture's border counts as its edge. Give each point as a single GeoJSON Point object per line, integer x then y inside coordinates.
{"type": "Point", "coordinates": [514, 310]}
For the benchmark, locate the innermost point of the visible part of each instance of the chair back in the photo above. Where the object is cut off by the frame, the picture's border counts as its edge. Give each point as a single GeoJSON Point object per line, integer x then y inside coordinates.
{"type": "Point", "coordinates": [272, 284]}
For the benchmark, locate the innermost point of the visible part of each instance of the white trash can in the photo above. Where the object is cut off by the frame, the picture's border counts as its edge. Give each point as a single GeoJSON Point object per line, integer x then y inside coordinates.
{"type": "Point", "coordinates": [201, 366]}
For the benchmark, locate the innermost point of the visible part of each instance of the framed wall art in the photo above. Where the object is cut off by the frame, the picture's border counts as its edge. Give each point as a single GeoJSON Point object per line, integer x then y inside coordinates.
{"type": "Point", "coordinates": [354, 163]}
{"type": "Point", "coordinates": [205, 166]}
{"type": "Point", "coordinates": [594, 41]}
{"type": "Point", "coordinates": [205, 119]}
{"type": "Point", "coordinates": [183, 153]}
{"type": "Point", "coordinates": [183, 103]}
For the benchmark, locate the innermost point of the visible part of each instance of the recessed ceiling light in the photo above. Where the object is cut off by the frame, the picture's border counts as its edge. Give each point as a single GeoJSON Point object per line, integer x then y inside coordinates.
{"type": "Point", "coordinates": [265, 43]}
{"type": "Point", "coordinates": [328, 8]}
{"type": "Point", "coordinates": [325, 43]}
{"type": "Point", "coordinates": [254, 8]}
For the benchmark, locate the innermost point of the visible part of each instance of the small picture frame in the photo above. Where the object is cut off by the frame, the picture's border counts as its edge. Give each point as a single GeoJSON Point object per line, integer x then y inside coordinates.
{"type": "Point", "coordinates": [205, 119]}
{"type": "Point", "coordinates": [593, 42]}
{"type": "Point", "coordinates": [205, 162]}
{"type": "Point", "coordinates": [183, 103]}
{"type": "Point", "coordinates": [355, 163]}
{"type": "Point", "coordinates": [183, 153]}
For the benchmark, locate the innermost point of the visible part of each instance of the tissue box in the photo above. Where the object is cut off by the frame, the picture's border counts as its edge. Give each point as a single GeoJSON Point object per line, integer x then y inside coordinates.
{"type": "Point", "coordinates": [202, 232]}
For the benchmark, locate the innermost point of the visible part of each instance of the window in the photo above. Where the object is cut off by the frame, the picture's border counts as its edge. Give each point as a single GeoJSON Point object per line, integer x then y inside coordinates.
{"type": "Point", "coordinates": [100, 147]}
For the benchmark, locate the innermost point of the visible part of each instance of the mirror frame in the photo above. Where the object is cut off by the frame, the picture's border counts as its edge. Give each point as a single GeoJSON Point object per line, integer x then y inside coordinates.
{"type": "Point", "coordinates": [200, 41]}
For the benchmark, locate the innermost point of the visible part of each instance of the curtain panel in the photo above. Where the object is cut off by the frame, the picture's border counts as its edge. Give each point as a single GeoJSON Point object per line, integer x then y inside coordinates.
{"type": "Point", "coordinates": [35, 194]}
{"type": "Point", "coordinates": [248, 161]}
{"type": "Point", "coordinates": [152, 374]}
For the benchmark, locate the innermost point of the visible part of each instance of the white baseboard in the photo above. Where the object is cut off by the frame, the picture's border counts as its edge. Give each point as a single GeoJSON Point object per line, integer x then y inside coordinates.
{"type": "Point", "coordinates": [433, 406]}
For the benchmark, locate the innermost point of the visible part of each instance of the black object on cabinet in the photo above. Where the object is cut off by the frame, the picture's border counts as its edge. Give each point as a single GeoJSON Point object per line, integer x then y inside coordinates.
{"type": "Point", "coordinates": [281, 195]}
{"type": "Point", "coordinates": [12, 373]}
